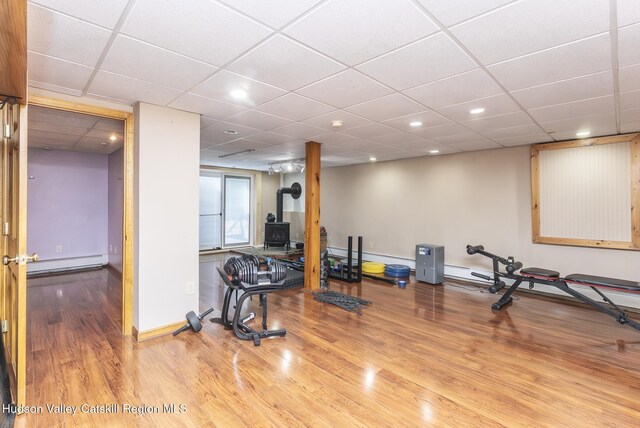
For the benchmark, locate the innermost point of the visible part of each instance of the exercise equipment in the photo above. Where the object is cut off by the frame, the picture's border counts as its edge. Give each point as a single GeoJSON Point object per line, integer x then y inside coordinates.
{"type": "Point", "coordinates": [346, 273]}
{"type": "Point", "coordinates": [372, 267]}
{"type": "Point", "coordinates": [535, 275]}
{"type": "Point", "coordinates": [236, 274]}
{"type": "Point", "coordinates": [397, 271]}
{"type": "Point", "coordinates": [194, 321]}
{"type": "Point", "coordinates": [430, 263]}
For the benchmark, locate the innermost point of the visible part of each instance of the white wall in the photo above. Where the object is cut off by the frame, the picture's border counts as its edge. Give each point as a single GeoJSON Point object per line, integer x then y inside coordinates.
{"type": "Point", "coordinates": [116, 190]}
{"type": "Point", "coordinates": [453, 200]}
{"type": "Point", "coordinates": [167, 156]}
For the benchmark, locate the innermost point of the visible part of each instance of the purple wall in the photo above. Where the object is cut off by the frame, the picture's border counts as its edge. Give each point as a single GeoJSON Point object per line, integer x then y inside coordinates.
{"type": "Point", "coordinates": [115, 199]}
{"type": "Point", "coordinates": [67, 204]}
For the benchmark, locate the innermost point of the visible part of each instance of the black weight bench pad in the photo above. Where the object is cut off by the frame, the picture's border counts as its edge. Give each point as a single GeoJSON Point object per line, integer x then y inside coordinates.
{"type": "Point", "coordinates": [540, 273]}
{"type": "Point", "coordinates": [600, 281]}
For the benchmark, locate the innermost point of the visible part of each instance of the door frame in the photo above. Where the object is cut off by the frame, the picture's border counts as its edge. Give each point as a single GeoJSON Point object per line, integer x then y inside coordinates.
{"type": "Point", "coordinates": [127, 203]}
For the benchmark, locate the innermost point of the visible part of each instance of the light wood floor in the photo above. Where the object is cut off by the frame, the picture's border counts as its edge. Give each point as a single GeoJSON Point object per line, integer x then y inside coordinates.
{"type": "Point", "coordinates": [422, 356]}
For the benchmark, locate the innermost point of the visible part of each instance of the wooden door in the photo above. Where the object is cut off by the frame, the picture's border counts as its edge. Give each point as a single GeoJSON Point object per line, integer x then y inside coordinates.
{"type": "Point", "coordinates": [14, 241]}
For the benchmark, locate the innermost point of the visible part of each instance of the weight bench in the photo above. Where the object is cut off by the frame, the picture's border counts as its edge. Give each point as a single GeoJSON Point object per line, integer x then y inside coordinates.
{"type": "Point", "coordinates": [534, 276]}
{"type": "Point", "coordinates": [238, 322]}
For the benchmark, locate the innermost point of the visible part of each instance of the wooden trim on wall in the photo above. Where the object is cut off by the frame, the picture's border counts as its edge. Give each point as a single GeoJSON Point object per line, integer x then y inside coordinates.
{"type": "Point", "coordinates": [634, 244]}
{"type": "Point", "coordinates": [156, 332]}
{"type": "Point", "coordinates": [127, 182]}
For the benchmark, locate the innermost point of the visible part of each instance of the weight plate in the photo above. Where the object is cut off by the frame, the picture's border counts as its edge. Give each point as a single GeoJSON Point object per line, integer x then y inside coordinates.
{"type": "Point", "coordinates": [398, 271]}
{"type": "Point", "coordinates": [372, 267]}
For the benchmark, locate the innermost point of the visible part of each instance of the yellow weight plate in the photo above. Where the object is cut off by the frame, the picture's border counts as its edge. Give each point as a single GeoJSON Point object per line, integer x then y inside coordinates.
{"type": "Point", "coordinates": [372, 267]}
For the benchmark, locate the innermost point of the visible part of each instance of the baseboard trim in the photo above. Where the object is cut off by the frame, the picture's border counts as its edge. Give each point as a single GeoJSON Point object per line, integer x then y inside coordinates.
{"type": "Point", "coordinates": [141, 336]}
{"type": "Point", "coordinates": [114, 270]}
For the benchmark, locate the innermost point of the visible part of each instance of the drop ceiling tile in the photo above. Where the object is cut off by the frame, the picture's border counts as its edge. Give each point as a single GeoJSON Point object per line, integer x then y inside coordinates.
{"type": "Point", "coordinates": [629, 78]}
{"type": "Point", "coordinates": [397, 138]}
{"type": "Point", "coordinates": [345, 89]}
{"type": "Point", "coordinates": [529, 26]}
{"type": "Point", "coordinates": [514, 131]}
{"type": "Point", "coordinates": [222, 84]}
{"type": "Point", "coordinates": [259, 120]}
{"type": "Point", "coordinates": [628, 12]}
{"type": "Point", "coordinates": [428, 119]}
{"type": "Point", "coordinates": [422, 62]}
{"type": "Point", "coordinates": [132, 90]}
{"type": "Point", "coordinates": [358, 145]}
{"type": "Point", "coordinates": [357, 30]}
{"type": "Point", "coordinates": [295, 107]}
{"type": "Point", "coordinates": [467, 137]}
{"type": "Point", "coordinates": [63, 118]}
{"type": "Point", "coordinates": [580, 88]}
{"type": "Point", "coordinates": [630, 100]}
{"type": "Point", "coordinates": [56, 128]}
{"type": "Point", "coordinates": [595, 132]}
{"type": "Point", "coordinates": [237, 145]}
{"type": "Point", "coordinates": [272, 138]}
{"type": "Point", "coordinates": [95, 145]}
{"type": "Point", "coordinates": [579, 123]}
{"type": "Point", "coordinates": [451, 12]}
{"type": "Point", "coordinates": [54, 139]}
{"type": "Point", "coordinates": [106, 136]}
{"type": "Point", "coordinates": [299, 130]}
{"type": "Point", "coordinates": [423, 147]}
{"type": "Point", "coordinates": [206, 121]}
{"type": "Point", "coordinates": [594, 106]}
{"type": "Point", "coordinates": [199, 29]}
{"type": "Point", "coordinates": [523, 140]}
{"type": "Point", "coordinates": [370, 131]}
{"type": "Point", "coordinates": [348, 121]}
{"type": "Point", "coordinates": [112, 125]}
{"type": "Point", "coordinates": [495, 105]}
{"type": "Point", "coordinates": [54, 88]}
{"type": "Point", "coordinates": [467, 86]}
{"type": "Point", "coordinates": [215, 134]}
{"type": "Point", "coordinates": [64, 37]}
{"type": "Point", "coordinates": [441, 131]}
{"type": "Point", "coordinates": [628, 42]}
{"type": "Point", "coordinates": [284, 64]}
{"type": "Point", "coordinates": [476, 145]}
{"type": "Point", "coordinates": [387, 107]}
{"type": "Point", "coordinates": [57, 72]}
{"type": "Point", "coordinates": [333, 139]}
{"type": "Point", "coordinates": [212, 108]}
{"type": "Point", "coordinates": [274, 13]}
{"type": "Point", "coordinates": [578, 59]}
{"type": "Point", "coordinates": [143, 61]}
{"type": "Point", "coordinates": [630, 121]}
{"type": "Point", "coordinates": [501, 121]}
{"type": "Point", "coordinates": [103, 13]}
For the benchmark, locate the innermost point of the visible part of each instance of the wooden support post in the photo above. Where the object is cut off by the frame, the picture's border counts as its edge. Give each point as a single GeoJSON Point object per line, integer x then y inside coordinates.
{"type": "Point", "coordinates": [312, 217]}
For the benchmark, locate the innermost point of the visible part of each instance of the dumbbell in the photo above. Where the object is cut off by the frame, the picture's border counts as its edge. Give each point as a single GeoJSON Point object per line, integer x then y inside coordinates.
{"type": "Point", "coordinates": [247, 271]}
{"type": "Point", "coordinates": [193, 321]}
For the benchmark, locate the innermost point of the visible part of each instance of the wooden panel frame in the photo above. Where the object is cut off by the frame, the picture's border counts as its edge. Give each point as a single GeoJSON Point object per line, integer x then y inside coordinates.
{"type": "Point", "coordinates": [634, 140]}
{"type": "Point", "coordinates": [13, 50]}
{"type": "Point", "coordinates": [127, 205]}
{"type": "Point", "coordinates": [312, 217]}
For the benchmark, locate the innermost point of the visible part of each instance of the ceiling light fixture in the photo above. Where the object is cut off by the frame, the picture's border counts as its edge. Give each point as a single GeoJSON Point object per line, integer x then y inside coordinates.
{"type": "Point", "coordinates": [336, 123]}
{"type": "Point", "coordinates": [113, 137]}
{"type": "Point", "coordinates": [372, 159]}
{"type": "Point", "coordinates": [230, 131]}
{"type": "Point", "coordinates": [238, 94]}
{"type": "Point", "coordinates": [103, 143]}
{"type": "Point", "coordinates": [582, 134]}
{"type": "Point", "coordinates": [237, 153]}
{"type": "Point", "coordinates": [433, 152]}
{"type": "Point", "coordinates": [477, 110]}
{"type": "Point", "coordinates": [271, 171]}
{"type": "Point", "coordinates": [415, 124]}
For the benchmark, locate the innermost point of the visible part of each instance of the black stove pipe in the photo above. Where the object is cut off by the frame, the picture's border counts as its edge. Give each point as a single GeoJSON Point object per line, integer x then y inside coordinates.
{"type": "Point", "coordinates": [295, 191]}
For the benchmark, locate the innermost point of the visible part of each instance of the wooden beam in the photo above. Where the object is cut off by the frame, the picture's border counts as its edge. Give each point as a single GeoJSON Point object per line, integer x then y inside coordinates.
{"type": "Point", "coordinates": [312, 217]}
{"type": "Point", "coordinates": [13, 50]}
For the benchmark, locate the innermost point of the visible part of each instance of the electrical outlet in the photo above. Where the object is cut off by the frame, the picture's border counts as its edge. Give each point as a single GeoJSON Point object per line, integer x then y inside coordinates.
{"type": "Point", "coordinates": [58, 248]}
{"type": "Point", "coordinates": [191, 287]}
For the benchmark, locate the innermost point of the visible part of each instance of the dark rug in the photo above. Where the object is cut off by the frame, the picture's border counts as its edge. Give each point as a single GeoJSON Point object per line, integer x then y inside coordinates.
{"type": "Point", "coordinates": [344, 301]}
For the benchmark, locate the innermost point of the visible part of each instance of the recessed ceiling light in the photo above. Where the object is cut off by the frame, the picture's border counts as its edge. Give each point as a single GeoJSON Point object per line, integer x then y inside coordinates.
{"type": "Point", "coordinates": [433, 152]}
{"type": "Point", "coordinates": [372, 159]}
{"type": "Point", "coordinates": [336, 123]}
{"type": "Point", "coordinates": [582, 134]}
{"type": "Point", "coordinates": [415, 124]}
{"type": "Point", "coordinates": [103, 144]}
{"type": "Point", "coordinates": [238, 94]}
{"type": "Point", "coordinates": [477, 110]}
{"type": "Point", "coordinates": [230, 131]}
{"type": "Point", "coordinates": [113, 137]}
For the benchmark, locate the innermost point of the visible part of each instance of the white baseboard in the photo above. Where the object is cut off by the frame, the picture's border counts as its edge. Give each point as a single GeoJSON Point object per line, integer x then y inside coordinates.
{"type": "Point", "coordinates": [57, 265]}
{"type": "Point", "coordinates": [621, 298]}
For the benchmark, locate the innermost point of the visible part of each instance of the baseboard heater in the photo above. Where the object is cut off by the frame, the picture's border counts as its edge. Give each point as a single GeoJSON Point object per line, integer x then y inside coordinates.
{"type": "Point", "coordinates": [59, 266]}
